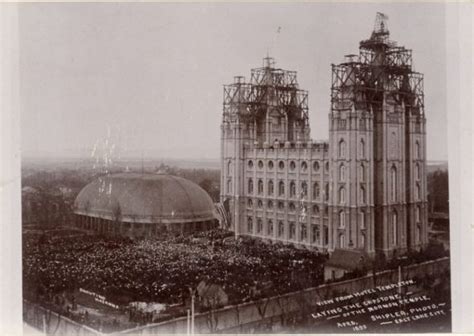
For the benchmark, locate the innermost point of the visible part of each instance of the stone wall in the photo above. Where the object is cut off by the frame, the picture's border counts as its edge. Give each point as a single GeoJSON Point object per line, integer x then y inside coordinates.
{"type": "Point", "coordinates": [52, 323]}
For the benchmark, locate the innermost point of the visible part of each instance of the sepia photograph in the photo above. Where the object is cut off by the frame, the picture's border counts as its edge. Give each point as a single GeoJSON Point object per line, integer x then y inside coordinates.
{"type": "Point", "coordinates": [234, 168]}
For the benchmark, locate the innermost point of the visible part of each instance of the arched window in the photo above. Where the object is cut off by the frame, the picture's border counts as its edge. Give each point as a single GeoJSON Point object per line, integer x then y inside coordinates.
{"type": "Point", "coordinates": [270, 227]}
{"type": "Point", "coordinates": [292, 189]}
{"type": "Point", "coordinates": [260, 164]}
{"type": "Point", "coordinates": [304, 166]}
{"type": "Point", "coordinates": [304, 233]}
{"type": "Point", "coordinates": [281, 188]}
{"type": "Point", "coordinates": [342, 148]}
{"type": "Point", "coordinates": [417, 171]}
{"type": "Point", "coordinates": [292, 230]}
{"type": "Point", "coordinates": [417, 150]}
{"type": "Point", "coordinates": [304, 189]}
{"type": "Point", "coordinates": [315, 234]}
{"type": "Point", "coordinates": [326, 191]}
{"type": "Point", "coordinates": [362, 149]}
{"type": "Point", "coordinates": [229, 167]}
{"type": "Point", "coordinates": [250, 186]}
{"type": "Point", "coordinates": [292, 165]}
{"type": "Point", "coordinates": [342, 219]}
{"type": "Point", "coordinates": [270, 165]}
{"type": "Point", "coordinates": [342, 173]}
{"type": "Point", "coordinates": [326, 166]}
{"type": "Point", "coordinates": [315, 210]}
{"type": "Point", "coordinates": [393, 183]}
{"type": "Point", "coordinates": [363, 195]}
{"type": "Point", "coordinates": [250, 203]}
{"type": "Point", "coordinates": [417, 214]}
{"type": "Point", "coordinates": [292, 207]}
{"type": "Point", "coordinates": [418, 234]}
{"type": "Point", "coordinates": [342, 195]}
{"type": "Point", "coordinates": [281, 205]}
{"type": "Point", "coordinates": [259, 225]}
{"type": "Point", "coordinates": [270, 205]}
{"type": "Point", "coordinates": [250, 164]}
{"type": "Point", "coordinates": [270, 187]}
{"type": "Point", "coordinates": [250, 225]}
{"type": "Point", "coordinates": [281, 165]}
{"type": "Point", "coordinates": [316, 190]}
{"type": "Point", "coordinates": [281, 229]}
{"type": "Point", "coordinates": [260, 187]}
{"type": "Point", "coordinates": [417, 192]}
{"type": "Point", "coordinates": [362, 240]}
{"type": "Point", "coordinates": [362, 220]}
{"type": "Point", "coordinates": [394, 228]}
{"type": "Point", "coordinates": [342, 241]}
{"type": "Point", "coordinates": [316, 166]}
{"type": "Point", "coordinates": [259, 204]}
{"type": "Point", "coordinates": [229, 185]}
{"type": "Point", "coordinates": [362, 173]}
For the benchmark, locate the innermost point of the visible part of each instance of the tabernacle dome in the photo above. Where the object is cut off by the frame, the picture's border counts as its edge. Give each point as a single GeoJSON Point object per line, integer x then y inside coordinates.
{"type": "Point", "coordinates": [144, 205]}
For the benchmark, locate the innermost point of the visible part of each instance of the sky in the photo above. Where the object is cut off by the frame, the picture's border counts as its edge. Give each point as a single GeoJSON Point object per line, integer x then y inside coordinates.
{"type": "Point", "coordinates": [147, 78]}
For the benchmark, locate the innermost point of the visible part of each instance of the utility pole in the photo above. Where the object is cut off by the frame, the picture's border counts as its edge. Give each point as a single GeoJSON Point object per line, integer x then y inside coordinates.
{"type": "Point", "coordinates": [188, 322]}
{"type": "Point", "coordinates": [192, 292]}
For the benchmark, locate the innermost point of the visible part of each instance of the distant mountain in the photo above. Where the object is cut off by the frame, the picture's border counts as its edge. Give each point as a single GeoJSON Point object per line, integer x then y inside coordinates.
{"type": "Point", "coordinates": [132, 163]}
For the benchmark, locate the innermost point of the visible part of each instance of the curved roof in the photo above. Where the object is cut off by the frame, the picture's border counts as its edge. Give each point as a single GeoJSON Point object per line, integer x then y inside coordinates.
{"type": "Point", "coordinates": [145, 198]}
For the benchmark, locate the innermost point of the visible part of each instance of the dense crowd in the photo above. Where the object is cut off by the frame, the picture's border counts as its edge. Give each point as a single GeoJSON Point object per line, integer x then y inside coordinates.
{"type": "Point", "coordinates": [163, 271]}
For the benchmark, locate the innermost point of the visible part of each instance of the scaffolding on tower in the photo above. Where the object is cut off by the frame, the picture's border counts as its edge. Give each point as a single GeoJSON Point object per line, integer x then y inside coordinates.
{"type": "Point", "coordinates": [268, 88]}
{"type": "Point", "coordinates": [381, 70]}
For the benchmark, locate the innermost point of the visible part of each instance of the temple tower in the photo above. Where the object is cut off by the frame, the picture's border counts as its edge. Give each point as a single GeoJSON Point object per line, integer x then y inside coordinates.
{"type": "Point", "coordinates": [377, 110]}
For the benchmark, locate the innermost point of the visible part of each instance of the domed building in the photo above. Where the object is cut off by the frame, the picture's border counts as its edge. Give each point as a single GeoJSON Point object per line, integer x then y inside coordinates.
{"type": "Point", "coordinates": [144, 205]}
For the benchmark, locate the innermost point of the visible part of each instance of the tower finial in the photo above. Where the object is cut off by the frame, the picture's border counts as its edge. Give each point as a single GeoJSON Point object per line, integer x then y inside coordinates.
{"type": "Point", "coordinates": [268, 62]}
{"type": "Point", "coordinates": [380, 23]}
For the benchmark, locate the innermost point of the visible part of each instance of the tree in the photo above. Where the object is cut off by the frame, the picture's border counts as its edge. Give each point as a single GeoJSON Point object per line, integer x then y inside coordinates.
{"type": "Point", "coordinates": [438, 191]}
{"type": "Point", "coordinates": [208, 185]}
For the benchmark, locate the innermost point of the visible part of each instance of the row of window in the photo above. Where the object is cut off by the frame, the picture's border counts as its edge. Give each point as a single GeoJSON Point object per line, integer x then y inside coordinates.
{"type": "Point", "coordinates": [394, 219]}
{"type": "Point", "coordinates": [281, 205]}
{"type": "Point", "coordinates": [341, 149]}
{"type": "Point", "coordinates": [316, 164]}
{"type": "Point", "coordinates": [281, 188]}
{"type": "Point", "coordinates": [304, 190]}
{"type": "Point", "coordinates": [342, 241]}
{"type": "Point", "coordinates": [315, 237]}
{"type": "Point", "coordinates": [394, 183]}
{"type": "Point", "coordinates": [342, 220]}
{"type": "Point", "coordinates": [303, 233]}
{"type": "Point", "coordinates": [362, 171]}
{"type": "Point", "coordinates": [342, 195]}
{"type": "Point", "coordinates": [316, 190]}
{"type": "Point", "coordinates": [342, 173]}
{"type": "Point", "coordinates": [394, 227]}
{"type": "Point", "coordinates": [341, 215]}
{"type": "Point", "coordinates": [281, 165]}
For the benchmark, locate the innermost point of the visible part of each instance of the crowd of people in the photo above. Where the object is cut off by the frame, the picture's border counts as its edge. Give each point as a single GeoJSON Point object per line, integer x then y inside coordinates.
{"type": "Point", "coordinates": [164, 271]}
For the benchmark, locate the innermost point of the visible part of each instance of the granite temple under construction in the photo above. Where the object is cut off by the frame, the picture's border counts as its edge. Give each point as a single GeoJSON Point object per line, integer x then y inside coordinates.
{"type": "Point", "coordinates": [363, 189]}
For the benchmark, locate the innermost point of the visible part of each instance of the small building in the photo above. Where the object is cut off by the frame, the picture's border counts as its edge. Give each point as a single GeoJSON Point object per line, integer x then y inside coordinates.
{"type": "Point", "coordinates": [344, 261]}
{"type": "Point", "coordinates": [211, 295]}
{"type": "Point", "coordinates": [144, 205]}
